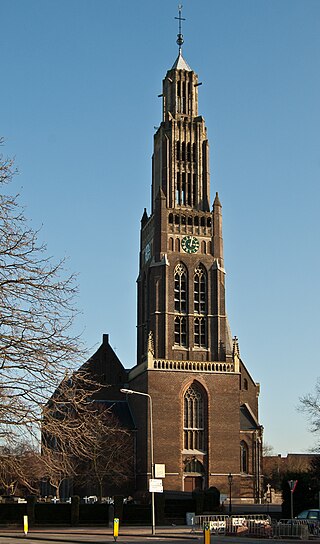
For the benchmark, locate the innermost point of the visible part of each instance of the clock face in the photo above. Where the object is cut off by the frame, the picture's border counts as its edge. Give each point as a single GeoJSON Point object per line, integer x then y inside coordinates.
{"type": "Point", "coordinates": [190, 244]}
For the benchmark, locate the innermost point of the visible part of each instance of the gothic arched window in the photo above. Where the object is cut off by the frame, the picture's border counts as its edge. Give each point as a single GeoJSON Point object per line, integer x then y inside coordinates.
{"type": "Point", "coordinates": [180, 289]}
{"type": "Point", "coordinates": [180, 305]}
{"type": "Point", "coordinates": [200, 306]}
{"type": "Point", "coordinates": [200, 291]}
{"type": "Point", "coordinates": [194, 415]}
{"type": "Point", "coordinates": [194, 466]}
{"type": "Point", "coordinates": [244, 457]}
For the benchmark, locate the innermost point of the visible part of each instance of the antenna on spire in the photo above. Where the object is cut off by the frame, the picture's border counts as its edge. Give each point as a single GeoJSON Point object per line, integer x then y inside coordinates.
{"type": "Point", "coordinates": [180, 39]}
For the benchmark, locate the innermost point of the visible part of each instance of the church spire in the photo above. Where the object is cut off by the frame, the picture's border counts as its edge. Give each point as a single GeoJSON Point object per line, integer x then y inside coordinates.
{"type": "Point", "coordinates": [180, 63]}
{"type": "Point", "coordinates": [180, 39]}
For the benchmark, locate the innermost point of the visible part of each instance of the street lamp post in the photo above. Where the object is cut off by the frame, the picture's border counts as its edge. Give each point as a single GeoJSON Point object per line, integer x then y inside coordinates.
{"type": "Point", "coordinates": [132, 392]}
{"type": "Point", "coordinates": [230, 478]}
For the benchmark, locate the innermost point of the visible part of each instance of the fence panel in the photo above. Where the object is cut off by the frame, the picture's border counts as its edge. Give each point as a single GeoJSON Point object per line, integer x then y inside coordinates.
{"type": "Point", "coordinates": [254, 525]}
{"type": "Point", "coordinates": [216, 522]}
{"type": "Point", "coordinates": [296, 528]}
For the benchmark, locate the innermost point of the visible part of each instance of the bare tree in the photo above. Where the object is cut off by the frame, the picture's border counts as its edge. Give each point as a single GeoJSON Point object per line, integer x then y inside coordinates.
{"type": "Point", "coordinates": [111, 458]}
{"type": "Point", "coordinates": [91, 447]}
{"type": "Point", "coordinates": [40, 393]}
{"type": "Point", "coordinates": [310, 405]}
{"type": "Point", "coordinates": [19, 470]}
{"type": "Point", "coordinates": [267, 449]}
{"type": "Point", "coordinates": [36, 313]}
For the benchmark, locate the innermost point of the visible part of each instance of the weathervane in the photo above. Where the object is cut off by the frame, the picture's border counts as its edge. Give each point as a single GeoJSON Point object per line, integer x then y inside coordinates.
{"type": "Point", "coordinates": [180, 39]}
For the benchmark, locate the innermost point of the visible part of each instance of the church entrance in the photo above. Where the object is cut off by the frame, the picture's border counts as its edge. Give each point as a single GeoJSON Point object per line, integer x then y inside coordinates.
{"type": "Point", "coordinates": [194, 475]}
{"type": "Point", "coordinates": [192, 482]}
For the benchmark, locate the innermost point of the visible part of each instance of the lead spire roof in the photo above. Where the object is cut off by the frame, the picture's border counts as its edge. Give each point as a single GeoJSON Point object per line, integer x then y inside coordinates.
{"type": "Point", "coordinates": [180, 63]}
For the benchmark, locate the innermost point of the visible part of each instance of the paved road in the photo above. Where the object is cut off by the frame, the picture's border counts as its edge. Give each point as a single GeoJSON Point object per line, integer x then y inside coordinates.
{"type": "Point", "coordinates": [136, 535]}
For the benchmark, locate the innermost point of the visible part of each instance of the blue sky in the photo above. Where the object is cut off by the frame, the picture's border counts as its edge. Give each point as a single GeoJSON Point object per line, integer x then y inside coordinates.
{"type": "Point", "coordinates": [79, 86]}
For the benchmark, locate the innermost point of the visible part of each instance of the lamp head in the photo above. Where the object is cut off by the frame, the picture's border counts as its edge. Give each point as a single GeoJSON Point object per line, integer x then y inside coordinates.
{"type": "Point", "coordinates": [127, 391]}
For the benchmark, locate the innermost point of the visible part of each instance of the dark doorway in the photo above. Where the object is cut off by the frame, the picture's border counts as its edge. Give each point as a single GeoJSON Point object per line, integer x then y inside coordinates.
{"type": "Point", "coordinates": [192, 482]}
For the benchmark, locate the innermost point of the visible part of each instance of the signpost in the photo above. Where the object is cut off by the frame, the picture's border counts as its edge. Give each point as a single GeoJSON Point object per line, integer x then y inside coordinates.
{"type": "Point", "coordinates": [155, 485]}
{"type": "Point", "coordinates": [159, 470]}
{"type": "Point", "coordinates": [292, 485]}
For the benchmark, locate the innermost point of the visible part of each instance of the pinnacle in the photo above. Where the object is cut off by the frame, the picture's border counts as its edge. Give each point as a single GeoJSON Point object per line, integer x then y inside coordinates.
{"type": "Point", "coordinates": [217, 201]}
{"type": "Point", "coordinates": [181, 64]}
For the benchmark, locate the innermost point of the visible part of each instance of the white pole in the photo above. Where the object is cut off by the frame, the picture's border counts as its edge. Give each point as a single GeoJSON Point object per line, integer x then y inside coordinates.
{"type": "Point", "coordinates": [153, 513]}
{"type": "Point", "coordinates": [132, 392]}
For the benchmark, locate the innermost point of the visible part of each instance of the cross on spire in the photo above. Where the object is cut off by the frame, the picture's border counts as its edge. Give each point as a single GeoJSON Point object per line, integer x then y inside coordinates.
{"type": "Point", "coordinates": [180, 39]}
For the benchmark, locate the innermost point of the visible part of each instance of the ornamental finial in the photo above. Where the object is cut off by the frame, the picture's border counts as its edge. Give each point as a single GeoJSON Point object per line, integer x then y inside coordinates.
{"type": "Point", "coordinates": [180, 39]}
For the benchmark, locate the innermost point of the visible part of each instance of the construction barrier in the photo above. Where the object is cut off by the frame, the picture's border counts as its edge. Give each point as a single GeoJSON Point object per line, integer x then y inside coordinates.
{"type": "Point", "coordinates": [296, 528]}
{"type": "Point", "coordinates": [217, 523]}
{"type": "Point", "coordinates": [254, 525]}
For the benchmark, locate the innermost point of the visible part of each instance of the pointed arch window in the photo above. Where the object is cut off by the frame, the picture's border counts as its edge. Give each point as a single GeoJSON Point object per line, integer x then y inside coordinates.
{"type": "Point", "coordinates": [244, 457]}
{"type": "Point", "coordinates": [194, 466]}
{"type": "Point", "coordinates": [200, 291]}
{"type": "Point", "coordinates": [200, 307]}
{"type": "Point", "coordinates": [180, 289]}
{"type": "Point", "coordinates": [180, 305]}
{"type": "Point", "coordinates": [194, 416]}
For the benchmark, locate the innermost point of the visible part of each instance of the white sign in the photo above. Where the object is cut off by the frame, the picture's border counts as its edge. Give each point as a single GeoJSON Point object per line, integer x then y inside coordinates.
{"type": "Point", "coordinates": [159, 470]}
{"type": "Point", "coordinates": [155, 486]}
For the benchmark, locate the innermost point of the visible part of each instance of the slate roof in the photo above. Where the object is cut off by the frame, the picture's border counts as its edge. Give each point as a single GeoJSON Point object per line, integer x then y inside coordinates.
{"type": "Point", "coordinates": [247, 421]}
{"type": "Point", "coordinates": [121, 410]}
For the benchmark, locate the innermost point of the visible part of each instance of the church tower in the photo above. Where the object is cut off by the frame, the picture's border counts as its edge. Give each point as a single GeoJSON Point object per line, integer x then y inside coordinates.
{"type": "Point", "coordinates": [205, 403]}
{"type": "Point", "coordinates": [181, 285]}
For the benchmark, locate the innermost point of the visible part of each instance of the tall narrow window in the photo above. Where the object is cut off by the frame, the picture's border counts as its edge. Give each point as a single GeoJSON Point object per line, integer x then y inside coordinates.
{"type": "Point", "coordinates": [180, 289]}
{"type": "Point", "coordinates": [194, 151]}
{"type": "Point", "coordinates": [189, 190]}
{"type": "Point", "coordinates": [200, 291]}
{"type": "Point", "coordinates": [180, 305]}
{"type": "Point", "coordinates": [183, 97]}
{"type": "Point", "coordinates": [200, 332]}
{"type": "Point", "coordinates": [188, 151]}
{"type": "Point", "coordinates": [183, 151]}
{"type": "Point", "coordinates": [179, 96]}
{"type": "Point", "coordinates": [178, 190]}
{"type": "Point", "coordinates": [183, 189]}
{"type": "Point", "coordinates": [244, 457]}
{"type": "Point", "coordinates": [180, 331]}
{"type": "Point", "coordinates": [200, 307]}
{"type": "Point", "coordinates": [194, 416]}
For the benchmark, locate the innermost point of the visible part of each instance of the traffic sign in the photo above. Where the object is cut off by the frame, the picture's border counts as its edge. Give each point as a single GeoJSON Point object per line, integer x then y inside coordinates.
{"type": "Point", "coordinates": [155, 485]}
{"type": "Point", "coordinates": [292, 485]}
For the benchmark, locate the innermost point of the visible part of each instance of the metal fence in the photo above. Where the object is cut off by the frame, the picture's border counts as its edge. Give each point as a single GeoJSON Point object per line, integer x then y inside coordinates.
{"type": "Point", "coordinates": [296, 528]}
{"type": "Point", "coordinates": [254, 525]}
{"type": "Point", "coordinates": [258, 525]}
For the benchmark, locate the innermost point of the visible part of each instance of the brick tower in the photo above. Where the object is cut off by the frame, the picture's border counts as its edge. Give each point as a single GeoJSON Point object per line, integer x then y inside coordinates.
{"type": "Point", "coordinates": [205, 403]}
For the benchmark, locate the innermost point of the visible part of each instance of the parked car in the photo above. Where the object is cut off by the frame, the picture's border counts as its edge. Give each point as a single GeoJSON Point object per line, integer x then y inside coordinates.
{"type": "Point", "coordinates": [312, 514]}
{"type": "Point", "coordinates": [312, 519]}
